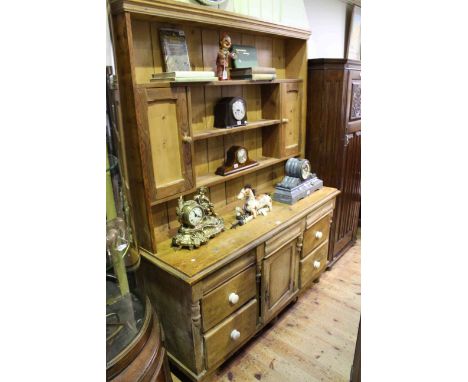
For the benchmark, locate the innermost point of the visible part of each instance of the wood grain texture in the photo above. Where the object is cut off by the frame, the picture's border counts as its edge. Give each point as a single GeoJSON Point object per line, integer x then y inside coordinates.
{"type": "Point", "coordinates": [311, 240]}
{"type": "Point", "coordinates": [334, 143]}
{"type": "Point", "coordinates": [218, 340]}
{"type": "Point", "coordinates": [278, 275]}
{"type": "Point", "coordinates": [313, 340]}
{"type": "Point", "coordinates": [216, 305]}
{"type": "Point", "coordinates": [235, 242]}
{"type": "Point", "coordinates": [131, 118]}
{"type": "Point", "coordinates": [313, 264]}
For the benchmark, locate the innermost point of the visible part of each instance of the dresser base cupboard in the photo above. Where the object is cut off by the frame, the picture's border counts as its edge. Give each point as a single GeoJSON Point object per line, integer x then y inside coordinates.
{"type": "Point", "coordinates": [212, 300]}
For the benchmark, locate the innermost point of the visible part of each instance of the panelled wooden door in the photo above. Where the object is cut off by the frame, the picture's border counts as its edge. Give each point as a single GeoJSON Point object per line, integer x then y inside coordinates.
{"type": "Point", "coordinates": [166, 143]}
{"type": "Point", "coordinates": [279, 270]}
{"type": "Point", "coordinates": [350, 198]}
{"type": "Point", "coordinates": [291, 116]}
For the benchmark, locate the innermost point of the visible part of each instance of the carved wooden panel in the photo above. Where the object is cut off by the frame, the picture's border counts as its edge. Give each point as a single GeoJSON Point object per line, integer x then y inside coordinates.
{"type": "Point", "coordinates": [355, 110]}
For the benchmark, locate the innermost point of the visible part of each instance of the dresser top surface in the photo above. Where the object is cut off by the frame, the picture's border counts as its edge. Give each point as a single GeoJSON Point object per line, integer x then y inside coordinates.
{"type": "Point", "coordinates": [191, 264]}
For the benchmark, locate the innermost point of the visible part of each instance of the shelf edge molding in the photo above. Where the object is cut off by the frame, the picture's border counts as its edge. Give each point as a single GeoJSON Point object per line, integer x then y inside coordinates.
{"type": "Point", "coordinates": [264, 162]}
{"type": "Point", "coordinates": [173, 10]}
{"type": "Point", "coordinates": [216, 132]}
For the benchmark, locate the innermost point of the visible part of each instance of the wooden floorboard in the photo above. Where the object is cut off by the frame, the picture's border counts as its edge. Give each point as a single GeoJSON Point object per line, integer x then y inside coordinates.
{"type": "Point", "coordinates": [313, 339]}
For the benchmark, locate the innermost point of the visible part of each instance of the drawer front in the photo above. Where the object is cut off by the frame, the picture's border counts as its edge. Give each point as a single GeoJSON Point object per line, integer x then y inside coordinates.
{"type": "Point", "coordinates": [228, 297]}
{"type": "Point", "coordinates": [313, 265]}
{"type": "Point", "coordinates": [322, 211]}
{"type": "Point", "coordinates": [316, 235]}
{"type": "Point", "coordinates": [230, 334]}
{"type": "Point", "coordinates": [284, 237]}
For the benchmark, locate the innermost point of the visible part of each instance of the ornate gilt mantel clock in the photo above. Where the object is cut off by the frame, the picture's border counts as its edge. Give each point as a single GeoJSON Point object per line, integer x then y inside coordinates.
{"type": "Point", "coordinates": [199, 221]}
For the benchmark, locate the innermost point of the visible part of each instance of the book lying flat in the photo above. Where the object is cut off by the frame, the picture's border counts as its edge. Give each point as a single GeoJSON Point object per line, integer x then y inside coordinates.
{"type": "Point", "coordinates": [254, 70]}
{"type": "Point", "coordinates": [184, 74]}
{"type": "Point", "coordinates": [186, 79]}
{"type": "Point", "coordinates": [255, 77]}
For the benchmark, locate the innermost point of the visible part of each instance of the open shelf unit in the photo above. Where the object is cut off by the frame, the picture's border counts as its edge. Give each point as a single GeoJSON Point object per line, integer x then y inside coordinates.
{"type": "Point", "coordinates": [171, 145]}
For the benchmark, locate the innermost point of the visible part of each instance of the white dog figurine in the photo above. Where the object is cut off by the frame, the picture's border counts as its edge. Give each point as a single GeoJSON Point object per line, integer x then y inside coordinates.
{"type": "Point", "coordinates": [255, 205]}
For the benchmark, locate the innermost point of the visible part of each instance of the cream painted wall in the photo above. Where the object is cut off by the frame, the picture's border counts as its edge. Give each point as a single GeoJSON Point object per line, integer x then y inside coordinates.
{"type": "Point", "coordinates": [327, 19]}
{"type": "Point", "coordinates": [287, 12]}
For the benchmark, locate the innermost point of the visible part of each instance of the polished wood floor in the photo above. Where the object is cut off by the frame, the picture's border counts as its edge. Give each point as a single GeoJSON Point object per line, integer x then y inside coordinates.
{"type": "Point", "coordinates": [313, 339]}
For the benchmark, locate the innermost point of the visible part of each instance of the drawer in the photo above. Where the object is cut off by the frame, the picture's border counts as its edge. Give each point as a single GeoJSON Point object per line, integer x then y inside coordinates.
{"type": "Point", "coordinates": [231, 333]}
{"type": "Point", "coordinates": [313, 265]}
{"type": "Point", "coordinates": [326, 209]}
{"type": "Point", "coordinates": [286, 235]}
{"type": "Point", "coordinates": [228, 297]}
{"type": "Point", "coordinates": [316, 235]}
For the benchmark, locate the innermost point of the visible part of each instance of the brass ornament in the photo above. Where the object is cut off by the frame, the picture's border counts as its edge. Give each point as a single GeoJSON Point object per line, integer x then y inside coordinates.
{"type": "Point", "coordinates": [199, 221]}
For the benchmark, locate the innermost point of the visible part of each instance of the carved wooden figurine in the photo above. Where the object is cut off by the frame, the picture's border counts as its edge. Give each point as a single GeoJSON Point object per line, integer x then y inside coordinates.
{"type": "Point", "coordinates": [222, 60]}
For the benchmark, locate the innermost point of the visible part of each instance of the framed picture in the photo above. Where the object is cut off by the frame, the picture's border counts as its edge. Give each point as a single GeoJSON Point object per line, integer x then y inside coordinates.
{"type": "Point", "coordinates": [353, 51]}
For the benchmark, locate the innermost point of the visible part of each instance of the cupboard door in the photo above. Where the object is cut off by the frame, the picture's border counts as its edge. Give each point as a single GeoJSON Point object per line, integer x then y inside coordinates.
{"type": "Point", "coordinates": [279, 279]}
{"type": "Point", "coordinates": [165, 143]}
{"type": "Point", "coordinates": [291, 117]}
{"type": "Point", "coordinates": [349, 201]}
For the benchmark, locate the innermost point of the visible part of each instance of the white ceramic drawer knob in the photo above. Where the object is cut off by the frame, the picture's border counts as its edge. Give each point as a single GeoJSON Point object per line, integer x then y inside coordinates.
{"type": "Point", "coordinates": [318, 235]}
{"type": "Point", "coordinates": [235, 334]}
{"type": "Point", "coordinates": [316, 264]}
{"type": "Point", "coordinates": [233, 298]}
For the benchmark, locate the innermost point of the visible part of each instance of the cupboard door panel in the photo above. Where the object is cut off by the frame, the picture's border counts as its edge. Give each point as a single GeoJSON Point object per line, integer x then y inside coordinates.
{"type": "Point", "coordinates": [279, 271]}
{"type": "Point", "coordinates": [350, 199]}
{"type": "Point", "coordinates": [167, 148]}
{"type": "Point", "coordinates": [291, 111]}
{"type": "Point", "coordinates": [354, 104]}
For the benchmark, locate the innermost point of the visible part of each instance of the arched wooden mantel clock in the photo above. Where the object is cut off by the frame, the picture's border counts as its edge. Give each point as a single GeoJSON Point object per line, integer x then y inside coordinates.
{"type": "Point", "coordinates": [237, 159]}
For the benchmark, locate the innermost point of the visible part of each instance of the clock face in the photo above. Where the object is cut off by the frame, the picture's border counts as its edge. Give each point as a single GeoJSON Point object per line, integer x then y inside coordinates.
{"type": "Point", "coordinates": [241, 155]}
{"type": "Point", "coordinates": [238, 110]}
{"type": "Point", "coordinates": [195, 216]}
{"type": "Point", "coordinates": [305, 170]}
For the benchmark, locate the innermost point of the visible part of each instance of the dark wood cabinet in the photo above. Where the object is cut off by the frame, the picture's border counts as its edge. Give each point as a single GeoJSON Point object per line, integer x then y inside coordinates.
{"type": "Point", "coordinates": [333, 141]}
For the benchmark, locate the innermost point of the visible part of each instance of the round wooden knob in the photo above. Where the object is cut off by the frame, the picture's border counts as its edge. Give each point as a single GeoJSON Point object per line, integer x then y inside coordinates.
{"type": "Point", "coordinates": [318, 235]}
{"type": "Point", "coordinates": [316, 264]}
{"type": "Point", "coordinates": [235, 334]}
{"type": "Point", "coordinates": [187, 139]}
{"type": "Point", "coordinates": [233, 298]}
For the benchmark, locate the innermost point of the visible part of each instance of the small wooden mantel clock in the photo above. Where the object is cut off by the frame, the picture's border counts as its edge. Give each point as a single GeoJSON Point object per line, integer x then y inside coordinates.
{"type": "Point", "coordinates": [237, 159]}
{"type": "Point", "coordinates": [230, 112]}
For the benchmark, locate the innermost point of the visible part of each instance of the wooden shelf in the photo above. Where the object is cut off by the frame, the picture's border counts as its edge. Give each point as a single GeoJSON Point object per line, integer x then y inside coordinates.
{"type": "Point", "coordinates": [167, 84]}
{"type": "Point", "coordinates": [215, 132]}
{"type": "Point", "coordinates": [175, 11]}
{"type": "Point", "coordinates": [263, 162]}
